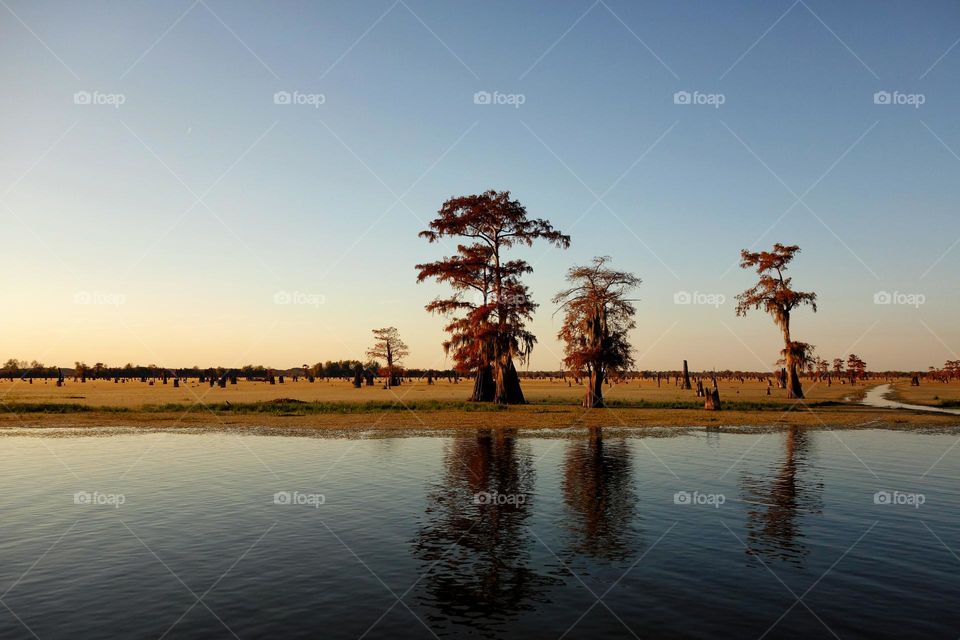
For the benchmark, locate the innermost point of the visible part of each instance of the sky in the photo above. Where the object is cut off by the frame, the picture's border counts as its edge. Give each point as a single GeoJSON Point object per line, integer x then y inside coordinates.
{"type": "Point", "coordinates": [210, 182]}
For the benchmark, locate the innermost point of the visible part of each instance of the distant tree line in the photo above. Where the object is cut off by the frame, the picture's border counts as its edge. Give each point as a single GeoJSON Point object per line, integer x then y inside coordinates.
{"type": "Point", "coordinates": [344, 369]}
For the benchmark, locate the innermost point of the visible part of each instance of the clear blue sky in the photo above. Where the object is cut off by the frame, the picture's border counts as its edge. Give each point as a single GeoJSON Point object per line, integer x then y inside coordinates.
{"type": "Point", "coordinates": [163, 229]}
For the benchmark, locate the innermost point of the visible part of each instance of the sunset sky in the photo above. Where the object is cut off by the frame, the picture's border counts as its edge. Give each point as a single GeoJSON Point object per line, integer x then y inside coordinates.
{"type": "Point", "coordinates": [164, 202]}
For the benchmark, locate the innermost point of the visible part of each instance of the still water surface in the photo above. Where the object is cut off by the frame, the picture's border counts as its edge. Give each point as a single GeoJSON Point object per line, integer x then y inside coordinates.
{"type": "Point", "coordinates": [480, 534]}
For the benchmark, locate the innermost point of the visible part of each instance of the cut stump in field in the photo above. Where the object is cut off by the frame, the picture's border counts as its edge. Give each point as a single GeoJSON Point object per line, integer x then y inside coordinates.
{"type": "Point", "coordinates": [712, 402]}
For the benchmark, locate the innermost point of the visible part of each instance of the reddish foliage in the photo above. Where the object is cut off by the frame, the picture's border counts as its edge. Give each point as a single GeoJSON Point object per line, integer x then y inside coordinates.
{"type": "Point", "coordinates": [490, 305]}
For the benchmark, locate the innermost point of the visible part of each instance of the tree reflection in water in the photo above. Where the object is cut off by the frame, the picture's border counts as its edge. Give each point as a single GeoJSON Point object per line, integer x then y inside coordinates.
{"type": "Point", "coordinates": [599, 495]}
{"type": "Point", "coordinates": [477, 564]}
{"type": "Point", "coordinates": [778, 500]}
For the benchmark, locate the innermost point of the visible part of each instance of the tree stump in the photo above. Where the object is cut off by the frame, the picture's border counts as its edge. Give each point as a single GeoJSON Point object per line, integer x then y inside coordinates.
{"type": "Point", "coordinates": [712, 403]}
{"type": "Point", "coordinates": [358, 377]}
{"type": "Point", "coordinates": [686, 376]}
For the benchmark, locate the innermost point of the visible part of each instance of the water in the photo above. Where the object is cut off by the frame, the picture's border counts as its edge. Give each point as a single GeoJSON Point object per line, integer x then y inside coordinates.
{"type": "Point", "coordinates": [577, 537]}
{"type": "Point", "coordinates": [877, 397]}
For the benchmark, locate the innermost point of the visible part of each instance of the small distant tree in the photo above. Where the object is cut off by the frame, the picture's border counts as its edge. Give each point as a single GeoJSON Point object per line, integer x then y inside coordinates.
{"type": "Point", "coordinates": [597, 318]}
{"type": "Point", "coordinates": [856, 368]}
{"type": "Point", "coordinates": [823, 367]}
{"type": "Point", "coordinates": [838, 366]}
{"type": "Point", "coordinates": [952, 369]}
{"type": "Point", "coordinates": [388, 346]}
{"type": "Point", "coordinates": [775, 295]}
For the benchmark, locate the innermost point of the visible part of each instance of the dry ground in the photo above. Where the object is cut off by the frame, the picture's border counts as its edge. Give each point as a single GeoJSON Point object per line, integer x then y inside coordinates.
{"type": "Point", "coordinates": [932, 393]}
{"type": "Point", "coordinates": [553, 404]}
{"type": "Point", "coordinates": [137, 394]}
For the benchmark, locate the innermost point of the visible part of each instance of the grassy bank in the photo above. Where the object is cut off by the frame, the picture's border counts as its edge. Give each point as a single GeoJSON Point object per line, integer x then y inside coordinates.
{"type": "Point", "coordinates": [287, 407]}
{"type": "Point", "coordinates": [934, 394]}
{"type": "Point", "coordinates": [337, 405]}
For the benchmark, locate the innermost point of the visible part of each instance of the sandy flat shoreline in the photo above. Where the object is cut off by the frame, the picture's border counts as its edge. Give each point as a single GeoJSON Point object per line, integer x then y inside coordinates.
{"type": "Point", "coordinates": [524, 417]}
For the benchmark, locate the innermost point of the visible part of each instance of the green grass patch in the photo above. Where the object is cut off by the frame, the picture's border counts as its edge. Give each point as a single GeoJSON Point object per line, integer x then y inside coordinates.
{"type": "Point", "coordinates": [58, 407]}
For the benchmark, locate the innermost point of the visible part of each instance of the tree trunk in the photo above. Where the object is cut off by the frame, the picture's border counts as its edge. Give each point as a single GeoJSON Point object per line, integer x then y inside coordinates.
{"type": "Point", "coordinates": [593, 398]}
{"type": "Point", "coordinates": [391, 377]}
{"type": "Point", "coordinates": [483, 385]}
{"type": "Point", "coordinates": [686, 376]}
{"type": "Point", "coordinates": [507, 382]}
{"type": "Point", "coordinates": [794, 390]}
